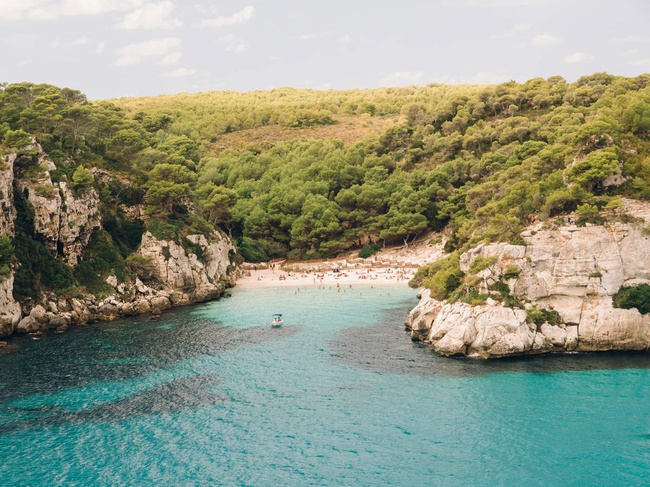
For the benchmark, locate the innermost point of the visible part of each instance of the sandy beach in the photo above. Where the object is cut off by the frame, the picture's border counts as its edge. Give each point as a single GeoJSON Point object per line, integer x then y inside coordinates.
{"type": "Point", "coordinates": [390, 266]}
{"type": "Point", "coordinates": [261, 278]}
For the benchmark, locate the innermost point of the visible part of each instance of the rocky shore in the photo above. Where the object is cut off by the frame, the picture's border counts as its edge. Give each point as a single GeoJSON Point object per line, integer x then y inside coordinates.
{"type": "Point", "coordinates": [571, 271]}
{"type": "Point", "coordinates": [64, 221]}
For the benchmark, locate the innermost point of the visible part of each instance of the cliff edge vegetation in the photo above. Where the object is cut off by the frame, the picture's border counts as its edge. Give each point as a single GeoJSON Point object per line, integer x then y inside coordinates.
{"type": "Point", "coordinates": [88, 230]}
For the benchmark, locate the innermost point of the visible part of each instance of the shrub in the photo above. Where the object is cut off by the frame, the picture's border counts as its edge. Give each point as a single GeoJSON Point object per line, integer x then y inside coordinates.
{"type": "Point", "coordinates": [45, 191]}
{"type": "Point", "coordinates": [539, 316]}
{"type": "Point", "coordinates": [512, 271]}
{"type": "Point", "coordinates": [82, 179]}
{"type": "Point", "coordinates": [443, 277]}
{"type": "Point", "coordinates": [633, 297]}
{"type": "Point", "coordinates": [481, 263]}
{"type": "Point", "coordinates": [6, 256]}
{"type": "Point", "coordinates": [99, 259]}
{"type": "Point", "coordinates": [165, 230]}
{"type": "Point", "coordinates": [369, 250]}
{"type": "Point", "coordinates": [17, 139]}
{"type": "Point", "coordinates": [141, 266]}
{"type": "Point", "coordinates": [588, 214]}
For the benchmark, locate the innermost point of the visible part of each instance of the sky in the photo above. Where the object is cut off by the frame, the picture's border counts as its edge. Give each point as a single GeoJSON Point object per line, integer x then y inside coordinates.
{"type": "Point", "coordinates": [115, 48]}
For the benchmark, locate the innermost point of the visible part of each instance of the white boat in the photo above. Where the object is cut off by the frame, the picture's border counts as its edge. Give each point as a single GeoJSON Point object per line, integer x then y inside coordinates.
{"type": "Point", "coordinates": [277, 321]}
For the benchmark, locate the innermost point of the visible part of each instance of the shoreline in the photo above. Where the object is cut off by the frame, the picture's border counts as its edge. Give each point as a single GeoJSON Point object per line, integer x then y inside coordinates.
{"type": "Point", "coordinates": [267, 278]}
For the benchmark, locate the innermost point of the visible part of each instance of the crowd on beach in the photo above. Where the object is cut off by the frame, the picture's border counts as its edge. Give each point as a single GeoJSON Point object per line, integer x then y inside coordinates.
{"type": "Point", "coordinates": [275, 274]}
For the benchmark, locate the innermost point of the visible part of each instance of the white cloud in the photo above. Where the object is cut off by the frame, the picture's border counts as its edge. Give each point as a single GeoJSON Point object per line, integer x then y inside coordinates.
{"type": "Point", "coordinates": [480, 78]}
{"type": "Point", "coordinates": [171, 58]}
{"type": "Point", "coordinates": [180, 73]}
{"type": "Point", "coordinates": [156, 48]}
{"type": "Point", "coordinates": [402, 78]}
{"type": "Point", "coordinates": [232, 44]}
{"type": "Point", "coordinates": [498, 3]}
{"type": "Point", "coordinates": [81, 41]}
{"type": "Point", "coordinates": [521, 27]}
{"type": "Point", "coordinates": [576, 57]}
{"type": "Point", "coordinates": [94, 7]}
{"type": "Point", "coordinates": [151, 16]}
{"type": "Point", "coordinates": [53, 9]}
{"type": "Point", "coordinates": [100, 47]}
{"type": "Point", "coordinates": [545, 40]}
{"type": "Point", "coordinates": [244, 15]}
{"type": "Point", "coordinates": [346, 39]}
{"type": "Point", "coordinates": [627, 39]}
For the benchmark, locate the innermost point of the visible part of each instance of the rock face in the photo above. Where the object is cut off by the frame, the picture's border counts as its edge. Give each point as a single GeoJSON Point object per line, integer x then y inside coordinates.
{"type": "Point", "coordinates": [7, 210]}
{"type": "Point", "coordinates": [184, 276]}
{"type": "Point", "coordinates": [10, 311]}
{"type": "Point", "coordinates": [64, 219]}
{"type": "Point", "coordinates": [572, 270]}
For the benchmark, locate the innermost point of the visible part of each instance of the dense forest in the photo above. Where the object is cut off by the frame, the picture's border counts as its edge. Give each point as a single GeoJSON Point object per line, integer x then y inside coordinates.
{"type": "Point", "coordinates": [477, 160]}
{"type": "Point", "coordinates": [305, 174]}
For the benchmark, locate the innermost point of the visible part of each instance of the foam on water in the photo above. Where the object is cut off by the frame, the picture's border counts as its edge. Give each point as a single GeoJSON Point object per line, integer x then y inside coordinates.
{"type": "Point", "coordinates": [212, 395]}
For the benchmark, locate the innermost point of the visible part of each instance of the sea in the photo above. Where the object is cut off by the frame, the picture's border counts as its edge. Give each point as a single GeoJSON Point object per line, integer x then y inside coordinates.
{"type": "Point", "coordinates": [212, 395]}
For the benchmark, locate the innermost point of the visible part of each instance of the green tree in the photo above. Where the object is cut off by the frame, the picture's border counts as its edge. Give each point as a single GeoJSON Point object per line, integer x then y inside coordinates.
{"type": "Point", "coordinates": [82, 179]}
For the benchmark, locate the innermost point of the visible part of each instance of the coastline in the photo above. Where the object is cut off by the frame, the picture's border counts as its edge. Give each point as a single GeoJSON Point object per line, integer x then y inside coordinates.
{"type": "Point", "coordinates": [266, 278]}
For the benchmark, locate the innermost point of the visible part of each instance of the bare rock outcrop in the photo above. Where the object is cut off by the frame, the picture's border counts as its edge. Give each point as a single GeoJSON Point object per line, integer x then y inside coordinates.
{"type": "Point", "coordinates": [10, 311]}
{"type": "Point", "coordinates": [64, 218]}
{"type": "Point", "coordinates": [572, 270]}
{"type": "Point", "coordinates": [7, 209]}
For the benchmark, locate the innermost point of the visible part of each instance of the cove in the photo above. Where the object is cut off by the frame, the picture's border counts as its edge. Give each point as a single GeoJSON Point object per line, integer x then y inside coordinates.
{"type": "Point", "coordinates": [212, 395]}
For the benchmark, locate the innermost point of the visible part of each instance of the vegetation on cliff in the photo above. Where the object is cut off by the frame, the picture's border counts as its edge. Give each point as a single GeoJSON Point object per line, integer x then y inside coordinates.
{"type": "Point", "coordinates": [305, 173]}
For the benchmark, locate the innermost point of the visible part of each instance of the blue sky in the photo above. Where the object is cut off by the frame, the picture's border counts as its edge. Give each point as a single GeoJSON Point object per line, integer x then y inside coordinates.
{"type": "Point", "coordinates": [112, 48]}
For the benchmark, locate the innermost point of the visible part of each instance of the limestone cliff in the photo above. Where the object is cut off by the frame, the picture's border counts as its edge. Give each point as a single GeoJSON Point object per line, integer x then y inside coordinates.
{"type": "Point", "coordinates": [63, 219]}
{"type": "Point", "coordinates": [572, 270]}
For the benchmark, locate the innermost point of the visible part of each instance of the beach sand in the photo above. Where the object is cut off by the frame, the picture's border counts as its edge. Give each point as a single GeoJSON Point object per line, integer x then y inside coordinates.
{"type": "Point", "coordinates": [264, 278]}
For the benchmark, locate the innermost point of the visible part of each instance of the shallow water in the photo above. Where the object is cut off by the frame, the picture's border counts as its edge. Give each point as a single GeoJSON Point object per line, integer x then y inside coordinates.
{"type": "Point", "coordinates": [212, 395]}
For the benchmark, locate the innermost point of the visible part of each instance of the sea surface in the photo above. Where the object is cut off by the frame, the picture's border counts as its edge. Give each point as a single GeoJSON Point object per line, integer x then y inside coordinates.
{"type": "Point", "coordinates": [339, 396]}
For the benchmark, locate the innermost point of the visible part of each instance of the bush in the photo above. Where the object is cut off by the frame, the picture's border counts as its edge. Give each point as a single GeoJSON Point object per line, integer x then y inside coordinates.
{"type": "Point", "coordinates": [588, 214]}
{"type": "Point", "coordinates": [82, 179]}
{"type": "Point", "coordinates": [126, 234]}
{"type": "Point", "coordinates": [443, 277]}
{"type": "Point", "coordinates": [633, 297]}
{"type": "Point", "coordinates": [481, 263]}
{"type": "Point", "coordinates": [17, 139]}
{"type": "Point", "coordinates": [6, 256]}
{"type": "Point", "coordinates": [512, 271]}
{"type": "Point", "coordinates": [165, 230]}
{"type": "Point", "coordinates": [45, 191]}
{"type": "Point", "coordinates": [368, 250]}
{"type": "Point", "coordinates": [141, 266]}
{"type": "Point", "coordinates": [100, 259]}
{"type": "Point", "coordinates": [539, 316]}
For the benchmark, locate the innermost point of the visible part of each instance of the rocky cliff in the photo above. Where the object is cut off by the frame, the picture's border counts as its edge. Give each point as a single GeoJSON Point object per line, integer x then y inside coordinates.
{"type": "Point", "coordinates": [571, 272]}
{"type": "Point", "coordinates": [63, 219]}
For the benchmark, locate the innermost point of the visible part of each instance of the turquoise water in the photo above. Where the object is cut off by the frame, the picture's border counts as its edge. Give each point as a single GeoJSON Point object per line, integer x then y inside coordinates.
{"type": "Point", "coordinates": [212, 395]}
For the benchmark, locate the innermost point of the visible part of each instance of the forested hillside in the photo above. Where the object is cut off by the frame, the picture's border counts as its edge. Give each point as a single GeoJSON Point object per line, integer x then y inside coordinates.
{"type": "Point", "coordinates": [304, 173]}
{"type": "Point", "coordinates": [477, 160]}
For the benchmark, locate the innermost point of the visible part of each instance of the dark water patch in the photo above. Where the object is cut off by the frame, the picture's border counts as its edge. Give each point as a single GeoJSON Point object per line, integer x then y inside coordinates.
{"type": "Point", "coordinates": [168, 398]}
{"type": "Point", "coordinates": [387, 349]}
{"type": "Point", "coordinates": [119, 351]}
